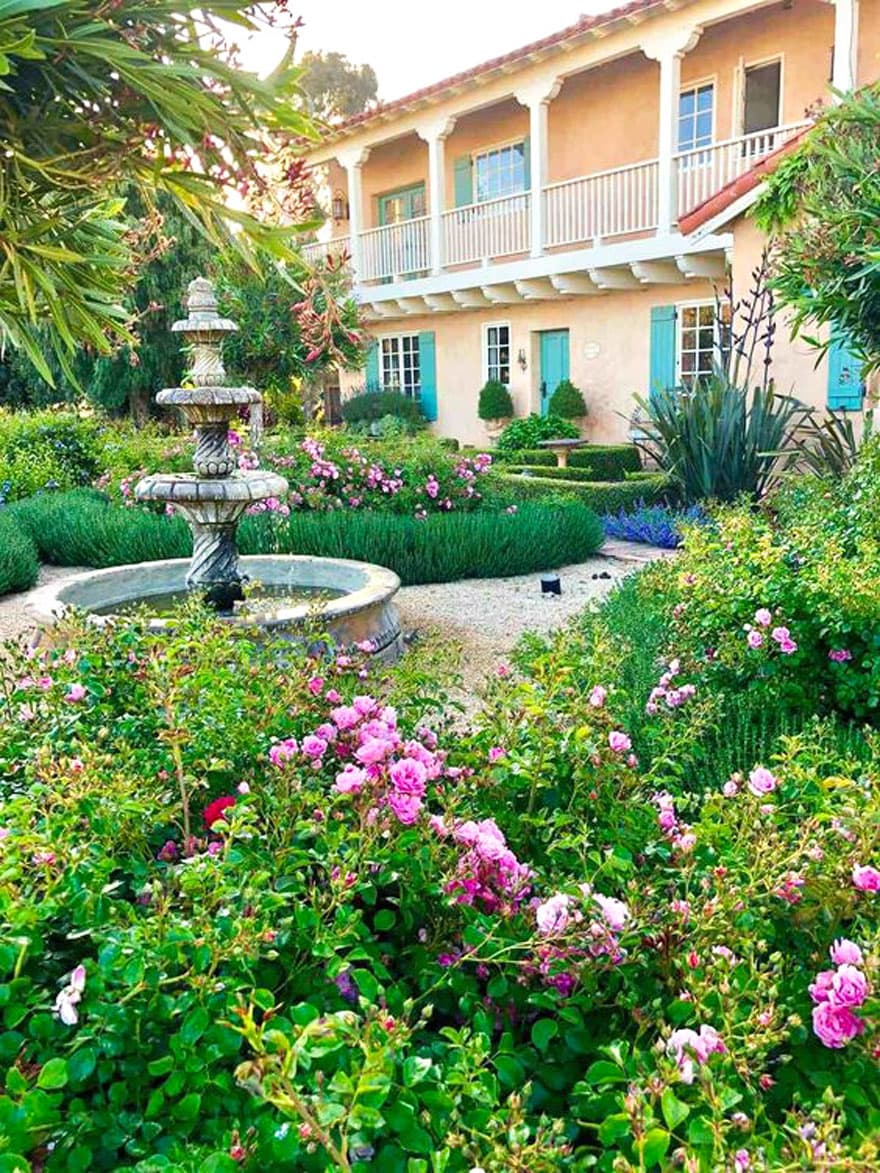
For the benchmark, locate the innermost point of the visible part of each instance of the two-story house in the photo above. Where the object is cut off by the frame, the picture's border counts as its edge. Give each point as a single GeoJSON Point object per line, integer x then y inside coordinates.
{"type": "Point", "coordinates": [571, 209]}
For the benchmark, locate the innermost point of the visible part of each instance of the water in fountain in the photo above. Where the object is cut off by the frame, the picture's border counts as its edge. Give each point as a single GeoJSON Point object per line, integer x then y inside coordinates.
{"type": "Point", "coordinates": [213, 499]}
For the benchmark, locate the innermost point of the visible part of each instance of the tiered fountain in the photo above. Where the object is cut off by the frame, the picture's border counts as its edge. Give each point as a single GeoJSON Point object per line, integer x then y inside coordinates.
{"type": "Point", "coordinates": [351, 600]}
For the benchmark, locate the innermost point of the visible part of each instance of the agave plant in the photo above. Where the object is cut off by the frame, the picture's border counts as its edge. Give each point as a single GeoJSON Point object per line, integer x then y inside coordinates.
{"type": "Point", "coordinates": [719, 440]}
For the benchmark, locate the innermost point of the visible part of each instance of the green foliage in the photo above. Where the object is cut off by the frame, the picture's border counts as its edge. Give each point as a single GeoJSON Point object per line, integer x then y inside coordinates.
{"type": "Point", "coordinates": [829, 446]}
{"type": "Point", "coordinates": [269, 351]}
{"type": "Point", "coordinates": [495, 402]}
{"type": "Point", "coordinates": [369, 407]}
{"type": "Point", "coordinates": [567, 401]}
{"type": "Point", "coordinates": [46, 450]}
{"type": "Point", "coordinates": [19, 565]}
{"type": "Point", "coordinates": [83, 529]}
{"type": "Point", "coordinates": [821, 202]}
{"type": "Point", "coordinates": [600, 496]}
{"type": "Point", "coordinates": [607, 462]}
{"type": "Point", "coordinates": [526, 433]}
{"type": "Point", "coordinates": [334, 88]}
{"type": "Point", "coordinates": [87, 96]}
{"type": "Point", "coordinates": [719, 440]}
{"type": "Point", "coordinates": [551, 472]}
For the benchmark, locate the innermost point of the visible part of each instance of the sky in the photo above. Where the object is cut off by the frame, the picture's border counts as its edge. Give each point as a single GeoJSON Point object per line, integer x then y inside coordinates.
{"type": "Point", "coordinates": [412, 44]}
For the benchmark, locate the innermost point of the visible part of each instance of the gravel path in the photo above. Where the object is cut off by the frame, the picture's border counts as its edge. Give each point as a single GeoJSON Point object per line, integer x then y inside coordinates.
{"type": "Point", "coordinates": [484, 617]}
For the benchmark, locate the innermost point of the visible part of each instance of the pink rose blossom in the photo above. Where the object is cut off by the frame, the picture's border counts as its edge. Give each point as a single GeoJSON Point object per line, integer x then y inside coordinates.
{"type": "Point", "coordinates": [730, 788]}
{"type": "Point", "coordinates": [835, 1026]}
{"type": "Point", "coordinates": [688, 1046]}
{"type": "Point", "coordinates": [405, 806]}
{"type": "Point", "coordinates": [819, 989]}
{"type": "Point", "coordinates": [496, 753]}
{"type": "Point", "coordinates": [840, 655]}
{"type": "Point", "coordinates": [614, 912]}
{"type": "Point", "coordinates": [282, 752]}
{"type": "Point", "coordinates": [866, 878]}
{"type": "Point", "coordinates": [313, 746]}
{"type": "Point", "coordinates": [553, 915]}
{"type": "Point", "coordinates": [408, 777]}
{"type": "Point", "coordinates": [598, 696]}
{"type": "Point", "coordinates": [845, 952]}
{"type": "Point", "coordinates": [351, 780]}
{"type": "Point", "coordinates": [754, 639]}
{"type": "Point", "coordinates": [849, 987]}
{"type": "Point", "coordinates": [75, 694]}
{"type": "Point", "coordinates": [69, 998]}
{"type": "Point", "coordinates": [761, 781]}
{"type": "Point", "coordinates": [763, 617]}
{"type": "Point", "coordinates": [619, 742]}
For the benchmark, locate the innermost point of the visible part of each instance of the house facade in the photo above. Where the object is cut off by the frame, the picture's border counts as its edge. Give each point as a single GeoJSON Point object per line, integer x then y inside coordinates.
{"type": "Point", "coordinates": [576, 208]}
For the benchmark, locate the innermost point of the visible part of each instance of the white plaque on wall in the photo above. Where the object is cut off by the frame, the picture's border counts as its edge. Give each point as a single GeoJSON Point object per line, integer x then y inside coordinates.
{"type": "Point", "coordinates": [592, 349]}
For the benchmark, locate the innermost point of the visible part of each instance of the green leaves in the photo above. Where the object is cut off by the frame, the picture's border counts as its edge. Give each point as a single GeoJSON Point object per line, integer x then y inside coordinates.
{"type": "Point", "coordinates": [53, 1075]}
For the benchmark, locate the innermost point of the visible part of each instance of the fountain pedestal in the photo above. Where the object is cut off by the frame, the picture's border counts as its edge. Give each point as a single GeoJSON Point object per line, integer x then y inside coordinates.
{"type": "Point", "coordinates": [214, 498]}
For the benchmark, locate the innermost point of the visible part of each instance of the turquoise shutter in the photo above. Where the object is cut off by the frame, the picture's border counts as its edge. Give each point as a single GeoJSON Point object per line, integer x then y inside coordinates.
{"type": "Point", "coordinates": [464, 181]}
{"type": "Point", "coordinates": [845, 383]}
{"type": "Point", "coordinates": [527, 160]}
{"type": "Point", "coordinates": [372, 368]}
{"type": "Point", "coordinates": [428, 374]}
{"type": "Point", "coordinates": [662, 348]}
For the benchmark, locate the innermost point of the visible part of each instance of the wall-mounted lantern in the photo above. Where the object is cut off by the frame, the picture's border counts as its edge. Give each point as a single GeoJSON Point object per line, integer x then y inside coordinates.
{"type": "Point", "coordinates": [521, 359]}
{"type": "Point", "coordinates": [339, 206]}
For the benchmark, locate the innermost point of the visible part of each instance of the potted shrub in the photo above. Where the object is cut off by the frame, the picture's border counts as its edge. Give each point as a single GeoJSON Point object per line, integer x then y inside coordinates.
{"type": "Point", "coordinates": [567, 402]}
{"type": "Point", "coordinates": [495, 406]}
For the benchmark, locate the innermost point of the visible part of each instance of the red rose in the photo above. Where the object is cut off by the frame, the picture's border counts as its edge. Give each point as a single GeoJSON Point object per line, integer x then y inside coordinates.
{"type": "Point", "coordinates": [214, 810]}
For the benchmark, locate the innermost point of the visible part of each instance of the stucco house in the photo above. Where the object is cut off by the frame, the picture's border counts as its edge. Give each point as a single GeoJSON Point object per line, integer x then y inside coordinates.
{"type": "Point", "coordinates": [572, 208]}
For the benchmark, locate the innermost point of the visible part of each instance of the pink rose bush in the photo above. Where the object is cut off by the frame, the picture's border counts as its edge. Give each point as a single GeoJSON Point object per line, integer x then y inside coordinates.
{"type": "Point", "coordinates": [837, 994]}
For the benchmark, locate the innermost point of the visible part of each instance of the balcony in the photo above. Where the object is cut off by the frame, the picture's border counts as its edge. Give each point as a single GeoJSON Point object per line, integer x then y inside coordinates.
{"type": "Point", "coordinates": [587, 213]}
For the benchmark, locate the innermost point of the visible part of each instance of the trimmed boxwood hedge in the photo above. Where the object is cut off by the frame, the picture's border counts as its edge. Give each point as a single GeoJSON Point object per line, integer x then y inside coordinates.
{"type": "Point", "coordinates": [19, 564]}
{"type": "Point", "coordinates": [607, 462]}
{"type": "Point", "coordinates": [601, 496]}
{"type": "Point", "coordinates": [555, 474]}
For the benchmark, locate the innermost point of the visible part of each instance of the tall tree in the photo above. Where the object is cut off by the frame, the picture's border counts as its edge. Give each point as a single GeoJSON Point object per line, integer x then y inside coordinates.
{"type": "Point", "coordinates": [823, 206]}
{"type": "Point", "coordinates": [334, 88]}
{"type": "Point", "coordinates": [99, 96]}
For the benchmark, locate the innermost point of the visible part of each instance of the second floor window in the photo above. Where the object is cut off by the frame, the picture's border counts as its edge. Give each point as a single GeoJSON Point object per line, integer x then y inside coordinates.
{"type": "Point", "coordinates": [695, 117]}
{"type": "Point", "coordinates": [498, 354]}
{"type": "Point", "coordinates": [500, 172]}
{"type": "Point", "coordinates": [703, 340]}
{"type": "Point", "coordinates": [400, 364]}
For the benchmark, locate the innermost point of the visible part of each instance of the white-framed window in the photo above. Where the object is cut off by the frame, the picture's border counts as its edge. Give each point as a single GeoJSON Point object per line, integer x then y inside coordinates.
{"type": "Point", "coordinates": [696, 116]}
{"type": "Point", "coordinates": [762, 96]}
{"type": "Point", "coordinates": [703, 339]}
{"type": "Point", "coordinates": [499, 172]}
{"type": "Point", "coordinates": [399, 364]}
{"type": "Point", "coordinates": [496, 352]}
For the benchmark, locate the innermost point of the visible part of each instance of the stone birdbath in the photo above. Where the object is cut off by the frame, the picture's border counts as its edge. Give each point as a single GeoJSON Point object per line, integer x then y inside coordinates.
{"type": "Point", "coordinates": [561, 449]}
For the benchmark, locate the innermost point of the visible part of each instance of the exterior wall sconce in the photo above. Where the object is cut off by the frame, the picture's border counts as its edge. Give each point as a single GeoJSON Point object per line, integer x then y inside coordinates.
{"type": "Point", "coordinates": [521, 359]}
{"type": "Point", "coordinates": [339, 206]}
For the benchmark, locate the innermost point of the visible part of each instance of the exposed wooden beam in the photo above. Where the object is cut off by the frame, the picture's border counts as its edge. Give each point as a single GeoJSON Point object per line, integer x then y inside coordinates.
{"type": "Point", "coordinates": [440, 303]}
{"type": "Point", "coordinates": [536, 289]}
{"type": "Point", "coordinates": [711, 266]}
{"type": "Point", "coordinates": [616, 278]}
{"type": "Point", "coordinates": [470, 299]}
{"type": "Point", "coordinates": [505, 293]}
{"type": "Point", "coordinates": [412, 305]}
{"type": "Point", "coordinates": [657, 272]}
{"type": "Point", "coordinates": [574, 284]}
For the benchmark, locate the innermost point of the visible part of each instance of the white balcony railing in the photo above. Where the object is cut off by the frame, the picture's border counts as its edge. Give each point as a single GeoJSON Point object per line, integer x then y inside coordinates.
{"type": "Point", "coordinates": [396, 250]}
{"type": "Point", "coordinates": [583, 211]}
{"type": "Point", "coordinates": [317, 250]}
{"type": "Point", "coordinates": [482, 232]}
{"type": "Point", "coordinates": [704, 171]}
{"type": "Point", "coordinates": [607, 203]}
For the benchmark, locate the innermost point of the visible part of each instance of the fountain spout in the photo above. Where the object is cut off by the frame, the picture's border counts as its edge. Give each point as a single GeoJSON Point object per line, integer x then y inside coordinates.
{"type": "Point", "coordinates": [214, 497]}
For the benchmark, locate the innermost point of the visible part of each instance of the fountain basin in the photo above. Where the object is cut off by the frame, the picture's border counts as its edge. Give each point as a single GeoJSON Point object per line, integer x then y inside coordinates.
{"type": "Point", "coordinates": [363, 609]}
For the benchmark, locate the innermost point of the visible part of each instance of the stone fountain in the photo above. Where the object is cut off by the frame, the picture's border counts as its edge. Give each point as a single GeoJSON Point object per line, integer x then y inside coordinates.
{"type": "Point", "coordinates": [213, 498]}
{"type": "Point", "coordinates": [280, 593]}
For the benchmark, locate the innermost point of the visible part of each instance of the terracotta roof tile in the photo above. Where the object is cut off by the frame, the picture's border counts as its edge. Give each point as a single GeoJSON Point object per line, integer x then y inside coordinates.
{"type": "Point", "coordinates": [742, 185]}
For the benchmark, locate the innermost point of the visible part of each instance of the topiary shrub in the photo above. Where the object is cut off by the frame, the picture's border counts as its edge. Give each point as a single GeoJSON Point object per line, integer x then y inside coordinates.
{"type": "Point", "coordinates": [601, 496]}
{"type": "Point", "coordinates": [529, 432]}
{"type": "Point", "coordinates": [567, 401]}
{"type": "Point", "coordinates": [369, 407]}
{"type": "Point", "coordinates": [495, 402]}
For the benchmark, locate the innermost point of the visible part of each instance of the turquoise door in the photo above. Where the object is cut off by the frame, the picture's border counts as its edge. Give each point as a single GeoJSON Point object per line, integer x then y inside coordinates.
{"type": "Point", "coordinates": [554, 363]}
